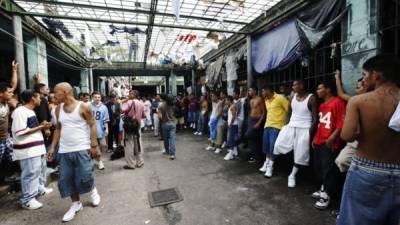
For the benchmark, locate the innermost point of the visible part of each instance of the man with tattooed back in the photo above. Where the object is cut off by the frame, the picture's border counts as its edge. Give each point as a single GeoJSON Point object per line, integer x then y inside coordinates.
{"type": "Point", "coordinates": [371, 193]}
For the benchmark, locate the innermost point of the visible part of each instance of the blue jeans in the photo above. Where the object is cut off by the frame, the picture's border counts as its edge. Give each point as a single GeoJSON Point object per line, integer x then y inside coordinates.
{"type": "Point", "coordinates": [213, 128]}
{"type": "Point", "coordinates": [269, 139]}
{"type": "Point", "coordinates": [6, 150]}
{"type": "Point", "coordinates": [201, 122]}
{"type": "Point", "coordinates": [33, 177]}
{"type": "Point", "coordinates": [76, 173]}
{"type": "Point", "coordinates": [371, 194]}
{"type": "Point", "coordinates": [192, 117]}
{"type": "Point", "coordinates": [233, 136]}
{"type": "Point", "coordinates": [169, 134]}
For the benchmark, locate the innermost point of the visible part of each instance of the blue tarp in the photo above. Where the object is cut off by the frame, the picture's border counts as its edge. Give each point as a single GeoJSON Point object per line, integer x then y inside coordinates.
{"type": "Point", "coordinates": [276, 48]}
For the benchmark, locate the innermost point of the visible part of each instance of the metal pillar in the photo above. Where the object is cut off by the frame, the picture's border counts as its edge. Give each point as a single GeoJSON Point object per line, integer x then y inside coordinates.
{"type": "Point", "coordinates": [37, 60]}
{"type": "Point", "coordinates": [167, 89]}
{"type": "Point", "coordinates": [85, 80]}
{"type": "Point", "coordinates": [194, 83]}
{"type": "Point", "coordinates": [19, 52]}
{"type": "Point", "coordinates": [249, 62]}
{"type": "Point", "coordinates": [91, 87]}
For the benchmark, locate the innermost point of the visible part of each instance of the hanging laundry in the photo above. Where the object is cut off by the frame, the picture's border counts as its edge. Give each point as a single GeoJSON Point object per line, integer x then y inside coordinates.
{"type": "Point", "coordinates": [110, 43]}
{"type": "Point", "coordinates": [176, 7]}
{"type": "Point", "coordinates": [55, 26]}
{"type": "Point", "coordinates": [125, 29]}
{"type": "Point", "coordinates": [189, 38]}
{"type": "Point", "coordinates": [238, 4]}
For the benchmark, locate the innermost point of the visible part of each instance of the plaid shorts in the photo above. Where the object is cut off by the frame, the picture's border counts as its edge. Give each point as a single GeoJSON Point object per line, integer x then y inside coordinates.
{"type": "Point", "coordinates": [6, 150]}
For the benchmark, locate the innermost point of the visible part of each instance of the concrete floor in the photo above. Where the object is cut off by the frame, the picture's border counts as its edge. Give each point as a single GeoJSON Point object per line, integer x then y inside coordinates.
{"type": "Point", "coordinates": [215, 192]}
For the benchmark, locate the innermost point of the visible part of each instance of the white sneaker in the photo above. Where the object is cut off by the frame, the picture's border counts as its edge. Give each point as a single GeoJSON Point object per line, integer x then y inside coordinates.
{"type": "Point", "coordinates": [317, 194]}
{"type": "Point", "coordinates": [100, 166]}
{"type": "Point", "coordinates": [268, 172]}
{"type": "Point", "coordinates": [235, 151]}
{"type": "Point", "coordinates": [323, 202]}
{"type": "Point", "coordinates": [291, 181]}
{"type": "Point", "coordinates": [46, 191]}
{"type": "Point", "coordinates": [32, 204]}
{"type": "Point", "coordinates": [229, 156]}
{"type": "Point", "coordinates": [70, 214]}
{"type": "Point", "coordinates": [195, 133]}
{"type": "Point", "coordinates": [210, 148]}
{"type": "Point", "coordinates": [223, 145]}
{"type": "Point", "coordinates": [95, 197]}
{"type": "Point", "coordinates": [218, 150]}
{"type": "Point", "coordinates": [264, 167]}
{"type": "Point", "coordinates": [199, 133]}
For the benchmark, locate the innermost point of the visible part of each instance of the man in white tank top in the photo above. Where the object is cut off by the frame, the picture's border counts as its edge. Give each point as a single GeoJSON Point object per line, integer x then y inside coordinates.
{"type": "Point", "coordinates": [303, 113]}
{"type": "Point", "coordinates": [77, 136]}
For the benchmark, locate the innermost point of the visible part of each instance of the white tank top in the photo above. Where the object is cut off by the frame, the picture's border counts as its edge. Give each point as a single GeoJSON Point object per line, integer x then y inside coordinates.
{"type": "Point", "coordinates": [75, 132]}
{"type": "Point", "coordinates": [230, 118]}
{"type": "Point", "coordinates": [301, 115]}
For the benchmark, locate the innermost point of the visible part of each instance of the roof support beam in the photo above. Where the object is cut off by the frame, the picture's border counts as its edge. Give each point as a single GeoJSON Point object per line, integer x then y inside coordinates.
{"type": "Point", "coordinates": [124, 22]}
{"type": "Point", "coordinates": [139, 11]}
{"type": "Point", "coordinates": [149, 31]}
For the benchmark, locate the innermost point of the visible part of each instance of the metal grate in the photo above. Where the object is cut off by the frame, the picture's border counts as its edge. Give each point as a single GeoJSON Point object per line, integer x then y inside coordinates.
{"type": "Point", "coordinates": [164, 197]}
{"type": "Point", "coordinates": [390, 26]}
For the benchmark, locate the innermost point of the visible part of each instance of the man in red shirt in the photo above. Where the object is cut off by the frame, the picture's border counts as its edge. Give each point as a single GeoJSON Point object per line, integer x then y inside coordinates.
{"type": "Point", "coordinates": [327, 143]}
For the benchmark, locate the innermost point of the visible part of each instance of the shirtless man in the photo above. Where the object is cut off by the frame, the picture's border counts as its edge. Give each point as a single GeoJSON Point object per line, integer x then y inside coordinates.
{"type": "Point", "coordinates": [255, 130]}
{"type": "Point", "coordinates": [76, 132]}
{"type": "Point", "coordinates": [371, 192]}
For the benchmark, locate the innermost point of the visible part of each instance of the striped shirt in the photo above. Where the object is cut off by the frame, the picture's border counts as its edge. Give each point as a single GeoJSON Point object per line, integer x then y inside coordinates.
{"type": "Point", "coordinates": [26, 145]}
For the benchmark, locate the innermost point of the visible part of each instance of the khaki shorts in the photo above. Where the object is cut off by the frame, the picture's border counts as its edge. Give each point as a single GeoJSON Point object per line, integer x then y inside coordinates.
{"type": "Point", "coordinates": [221, 134]}
{"type": "Point", "coordinates": [343, 160]}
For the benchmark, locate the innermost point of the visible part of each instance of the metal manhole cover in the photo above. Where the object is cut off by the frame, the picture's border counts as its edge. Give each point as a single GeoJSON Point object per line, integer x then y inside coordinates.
{"type": "Point", "coordinates": [152, 149]}
{"type": "Point", "coordinates": [164, 197]}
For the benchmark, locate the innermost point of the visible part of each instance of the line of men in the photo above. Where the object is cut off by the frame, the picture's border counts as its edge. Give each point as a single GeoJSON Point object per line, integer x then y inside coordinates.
{"type": "Point", "coordinates": [276, 125]}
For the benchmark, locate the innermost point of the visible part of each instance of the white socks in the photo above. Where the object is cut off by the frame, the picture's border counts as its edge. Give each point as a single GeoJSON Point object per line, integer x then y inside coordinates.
{"type": "Point", "coordinates": [294, 171]}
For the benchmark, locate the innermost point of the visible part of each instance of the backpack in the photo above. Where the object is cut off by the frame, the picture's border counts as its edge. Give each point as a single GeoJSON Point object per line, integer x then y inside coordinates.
{"type": "Point", "coordinates": [131, 125]}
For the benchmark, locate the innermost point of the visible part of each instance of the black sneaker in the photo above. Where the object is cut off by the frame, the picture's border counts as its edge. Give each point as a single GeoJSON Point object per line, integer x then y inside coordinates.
{"type": "Point", "coordinates": [322, 203]}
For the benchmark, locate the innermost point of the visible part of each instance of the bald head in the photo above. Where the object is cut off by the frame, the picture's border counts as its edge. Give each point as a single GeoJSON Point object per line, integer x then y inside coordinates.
{"type": "Point", "coordinates": [65, 87]}
{"type": "Point", "coordinates": [63, 91]}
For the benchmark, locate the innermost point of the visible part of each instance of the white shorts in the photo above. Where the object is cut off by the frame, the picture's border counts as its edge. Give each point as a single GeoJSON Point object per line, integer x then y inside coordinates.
{"type": "Point", "coordinates": [297, 139]}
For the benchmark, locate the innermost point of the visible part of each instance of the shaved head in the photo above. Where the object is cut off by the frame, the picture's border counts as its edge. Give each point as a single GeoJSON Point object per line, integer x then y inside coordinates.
{"type": "Point", "coordinates": [65, 87]}
{"type": "Point", "coordinates": [63, 91]}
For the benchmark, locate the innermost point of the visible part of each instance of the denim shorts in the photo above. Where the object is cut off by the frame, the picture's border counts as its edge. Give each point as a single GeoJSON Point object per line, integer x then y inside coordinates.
{"type": "Point", "coordinates": [233, 136]}
{"type": "Point", "coordinates": [76, 173]}
{"type": "Point", "coordinates": [371, 194]}
{"type": "Point", "coordinates": [269, 139]}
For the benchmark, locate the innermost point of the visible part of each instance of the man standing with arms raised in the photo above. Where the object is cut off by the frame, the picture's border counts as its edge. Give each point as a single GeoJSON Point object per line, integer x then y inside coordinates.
{"type": "Point", "coordinates": [76, 132]}
{"type": "Point", "coordinates": [371, 192]}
